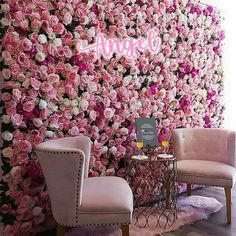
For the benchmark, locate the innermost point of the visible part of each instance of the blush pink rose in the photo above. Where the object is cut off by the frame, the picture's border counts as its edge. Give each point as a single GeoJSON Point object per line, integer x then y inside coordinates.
{"type": "Point", "coordinates": [17, 119]}
{"type": "Point", "coordinates": [53, 78]}
{"type": "Point", "coordinates": [16, 95]}
{"type": "Point", "coordinates": [6, 97]}
{"type": "Point", "coordinates": [6, 73]}
{"type": "Point", "coordinates": [36, 84]}
{"type": "Point", "coordinates": [8, 152]}
{"type": "Point", "coordinates": [24, 146]}
{"type": "Point", "coordinates": [108, 113]}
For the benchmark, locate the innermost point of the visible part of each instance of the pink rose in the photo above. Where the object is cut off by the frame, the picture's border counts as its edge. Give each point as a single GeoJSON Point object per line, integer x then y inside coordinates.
{"type": "Point", "coordinates": [46, 87]}
{"type": "Point", "coordinates": [17, 119]}
{"type": "Point", "coordinates": [6, 97]}
{"type": "Point", "coordinates": [36, 84]}
{"type": "Point", "coordinates": [6, 73]}
{"type": "Point", "coordinates": [28, 106]}
{"type": "Point", "coordinates": [74, 131]}
{"type": "Point", "coordinates": [11, 230]}
{"type": "Point", "coordinates": [16, 95]}
{"type": "Point", "coordinates": [53, 78]}
{"type": "Point", "coordinates": [67, 18]}
{"type": "Point", "coordinates": [5, 208]}
{"type": "Point", "coordinates": [15, 69]}
{"type": "Point", "coordinates": [59, 28]}
{"type": "Point", "coordinates": [24, 146]}
{"type": "Point", "coordinates": [26, 227]}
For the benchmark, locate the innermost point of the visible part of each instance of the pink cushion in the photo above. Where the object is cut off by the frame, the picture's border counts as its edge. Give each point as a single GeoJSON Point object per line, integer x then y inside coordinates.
{"type": "Point", "coordinates": [106, 200]}
{"type": "Point", "coordinates": [206, 172]}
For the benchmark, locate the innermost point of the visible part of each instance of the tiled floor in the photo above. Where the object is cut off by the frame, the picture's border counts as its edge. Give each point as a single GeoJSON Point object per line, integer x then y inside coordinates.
{"type": "Point", "coordinates": [216, 224]}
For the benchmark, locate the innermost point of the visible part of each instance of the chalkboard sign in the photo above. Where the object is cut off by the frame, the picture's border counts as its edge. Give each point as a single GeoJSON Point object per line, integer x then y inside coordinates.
{"type": "Point", "coordinates": [146, 131]}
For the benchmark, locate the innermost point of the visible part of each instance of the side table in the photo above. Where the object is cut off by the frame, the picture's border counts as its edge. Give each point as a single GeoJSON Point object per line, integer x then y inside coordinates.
{"type": "Point", "coordinates": [153, 183]}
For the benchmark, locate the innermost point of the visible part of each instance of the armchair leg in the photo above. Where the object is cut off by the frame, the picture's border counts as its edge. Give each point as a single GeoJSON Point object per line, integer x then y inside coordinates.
{"type": "Point", "coordinates": [125, 230]}
{"type": "Point", "coordinates": [60, 230]}
{"type": "Point", "coordinates": [228, 203]}
{"type": "Point", "coordinates": [188, 189]}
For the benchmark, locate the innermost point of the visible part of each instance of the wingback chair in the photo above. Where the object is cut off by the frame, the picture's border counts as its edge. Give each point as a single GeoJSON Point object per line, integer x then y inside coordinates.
{"type": "Point", "coordinates": [206, 156]}
{"type": "Point", "coordinates": [77, 200]}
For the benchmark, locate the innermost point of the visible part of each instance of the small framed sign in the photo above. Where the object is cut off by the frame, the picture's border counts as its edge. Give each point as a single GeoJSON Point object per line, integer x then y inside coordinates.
{"type": "Point", "coordinates": [146, 131]}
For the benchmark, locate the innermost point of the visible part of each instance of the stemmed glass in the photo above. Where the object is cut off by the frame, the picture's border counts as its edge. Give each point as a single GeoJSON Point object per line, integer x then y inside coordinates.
{"type": "Point", "coordinates": [139, 143]}
{"type": "Point", "coordinates": [165, 144]}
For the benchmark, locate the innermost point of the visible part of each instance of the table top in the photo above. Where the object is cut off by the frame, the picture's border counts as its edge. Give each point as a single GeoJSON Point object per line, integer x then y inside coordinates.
{"type": "Point", "coordinates": [160, 157]}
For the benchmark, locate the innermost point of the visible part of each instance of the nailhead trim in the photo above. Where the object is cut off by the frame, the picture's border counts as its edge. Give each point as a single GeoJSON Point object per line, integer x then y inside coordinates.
{"type": "Point", "coordinates": [109, 224]}
{"type": "Point", "coordinates": [77, 197]}
{"type": "Point", "coordinates": [207, 184]}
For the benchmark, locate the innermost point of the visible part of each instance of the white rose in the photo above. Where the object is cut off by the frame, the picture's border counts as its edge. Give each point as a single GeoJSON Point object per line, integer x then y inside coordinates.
{"type": "Point", "coordinates": [6, 119]}
{"type": "Point", "coordinates": [54, 108]}
{"type": "Point", "coordinates": [91, 32]}
{"type": "Point", "coordinates": [36, 211]}
{"type": "Point", "coordinates": [7, 136]}
{"type": "Point", "coordinates": [57, 42]}
{"type": "Point", "coordinates": [5, 22]}
{"type": "Point", "coordinates": [104, 149]}
{"type": "Point", "coordinates": [51, 35]}
{"type": "Point", "coordinates": [5, 8]}
{"type": "Point", "coordinates": [42, 104]}
{"type": "Point", "coordinates": [75, 111]}
{"type": "Point", "coordinates": [92, 87]}
{"type": "Point", "coordinates": [49, 134]}
{"type": "Point", "coordinates": [66, 102]}
{"type": "Point", "coordinates": [113, 150]}
{"type": "Point", "coordinates": [76, 35]}
{"type": "Point", "coordinates": [84, 104]}
{"type": "Point", "coordinates": [40, 56]}
{"type": "Point", "coordinates": [74, 103]}
{"type": "Point", "coordinates": [90, 3]}
{"type": "Point", "coordinates": [126, 80]}
{"type": "Point", "coordinates": [42, 39]}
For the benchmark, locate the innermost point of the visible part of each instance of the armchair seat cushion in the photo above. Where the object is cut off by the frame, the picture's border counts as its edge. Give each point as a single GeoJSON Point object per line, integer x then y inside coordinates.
{"type": "Point", "coordinates": [105, 201]}
{"type": "Point", "coordinates": [206, 172]}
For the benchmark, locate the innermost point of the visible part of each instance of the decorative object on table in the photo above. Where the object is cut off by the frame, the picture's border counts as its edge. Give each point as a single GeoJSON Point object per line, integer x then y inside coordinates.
{"type": "Point", "coordinates": [146, 131]}
{"type": "Point", "coordinates": [76, 199]}
{"type": "Point", "coordinates": [206, 156]}
{"type": "Point", "coordinates": [153, 182]}
{"type": "Point", "coordinates": [189, 210]}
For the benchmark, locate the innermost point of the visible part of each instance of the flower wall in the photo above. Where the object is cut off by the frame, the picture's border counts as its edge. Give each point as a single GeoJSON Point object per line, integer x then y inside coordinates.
{"type": "Point", "coordinates": [51, 91]}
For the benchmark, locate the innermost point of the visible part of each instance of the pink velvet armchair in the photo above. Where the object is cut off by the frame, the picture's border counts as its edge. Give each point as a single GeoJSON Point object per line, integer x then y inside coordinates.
{"type": "Point", "coordinates": [206, 157]}
{"type": "Point", "coordinates": [77, 200]}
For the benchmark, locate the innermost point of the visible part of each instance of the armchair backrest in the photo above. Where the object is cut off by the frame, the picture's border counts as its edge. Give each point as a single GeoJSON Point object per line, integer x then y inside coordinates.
{"type": "Point", "coordinates": [65, 163]}
{"type": "Point", "coordinates": [212, 144]}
